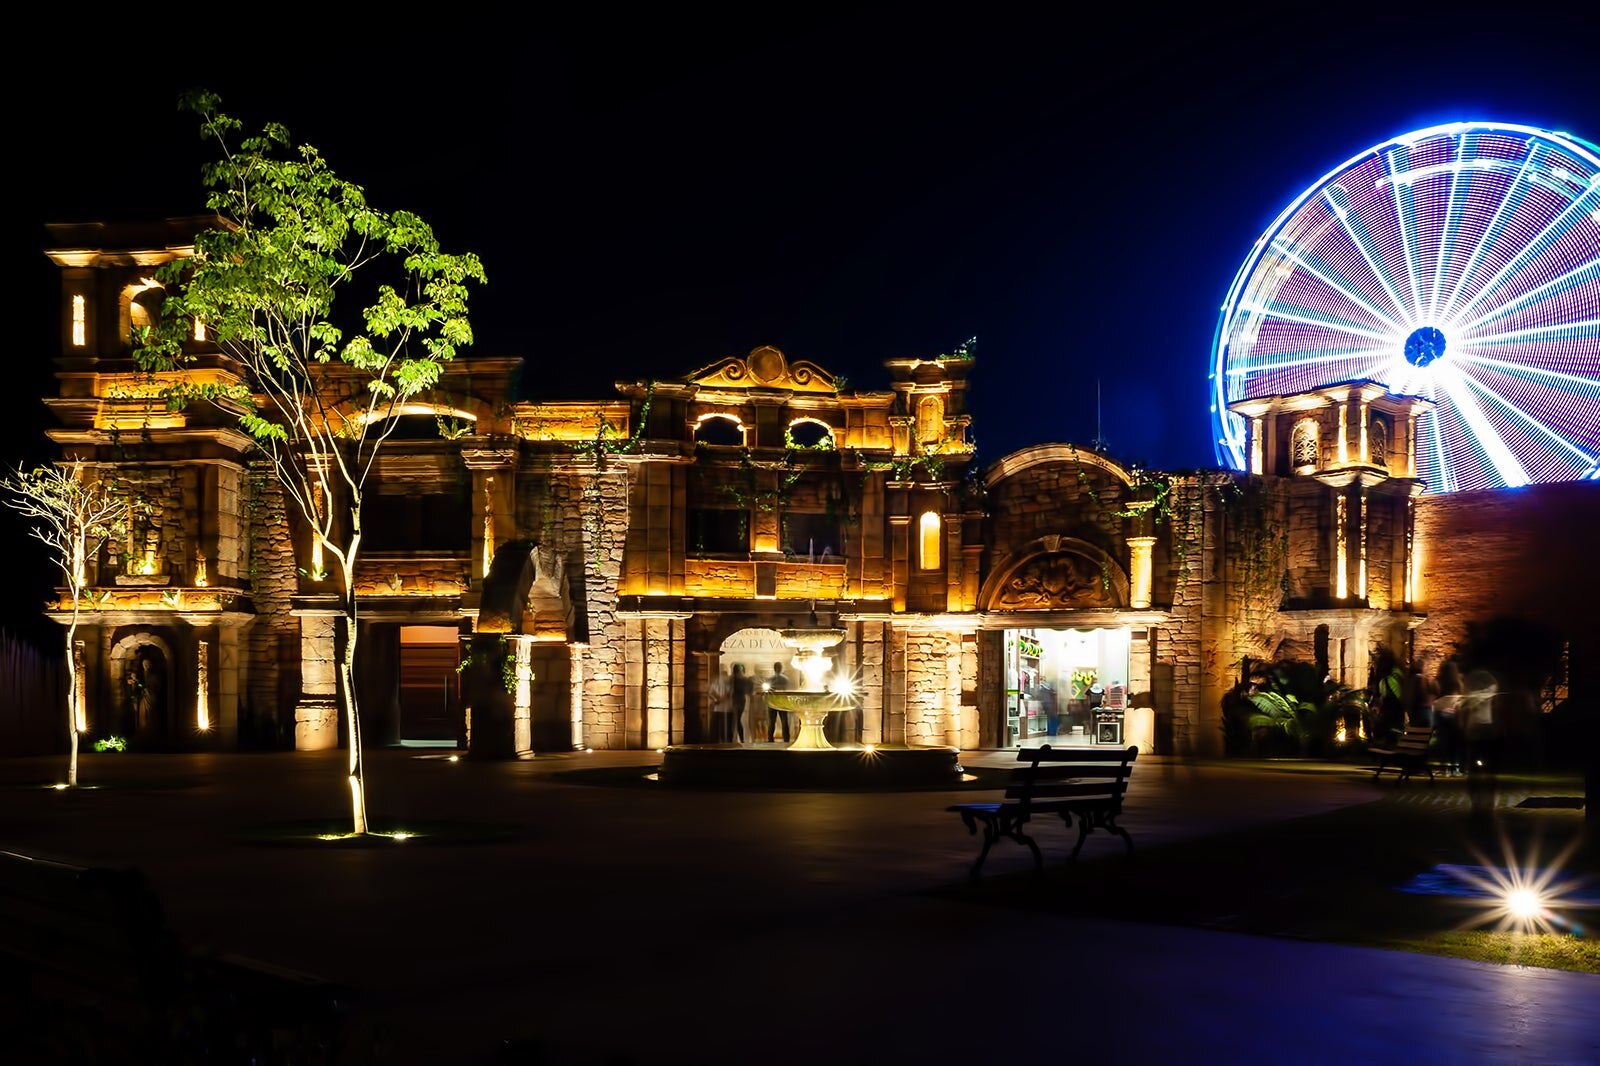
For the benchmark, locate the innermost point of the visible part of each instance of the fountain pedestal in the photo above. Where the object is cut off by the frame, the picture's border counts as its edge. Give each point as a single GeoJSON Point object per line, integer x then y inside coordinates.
{"type": "Point", "coordinates": [813, 709]}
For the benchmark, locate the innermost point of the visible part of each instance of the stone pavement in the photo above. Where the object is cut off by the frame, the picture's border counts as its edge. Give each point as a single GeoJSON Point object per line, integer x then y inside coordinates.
{"type": "Point", "coordinates": [618, 921]}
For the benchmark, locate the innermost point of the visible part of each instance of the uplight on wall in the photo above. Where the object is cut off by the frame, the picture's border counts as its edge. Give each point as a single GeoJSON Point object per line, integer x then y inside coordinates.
{"type": "Point", "coordinates": [202, 707]}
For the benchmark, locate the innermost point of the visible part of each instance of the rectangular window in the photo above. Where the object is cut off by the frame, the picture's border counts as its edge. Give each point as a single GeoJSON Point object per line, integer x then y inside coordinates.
{"type": "Point", "coordinates": [435, 522]}
{"type": "Point", "coordinates": [80, 321]}
{"type": "Point", "coordinates": [812, 536]}
{"type": "Point", "coordinates": [929, 533]}
{"type": "Point", "coordinates": [719, 532]}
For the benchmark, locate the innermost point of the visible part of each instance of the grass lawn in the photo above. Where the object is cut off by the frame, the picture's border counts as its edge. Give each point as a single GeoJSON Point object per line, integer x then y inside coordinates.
{"type": "Point", "coordinates": [1336, 877]}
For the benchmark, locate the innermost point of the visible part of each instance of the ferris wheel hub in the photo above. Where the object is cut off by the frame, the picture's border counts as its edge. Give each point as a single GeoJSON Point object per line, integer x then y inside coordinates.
{"type": "Point", "coordinates": [1425, 345]}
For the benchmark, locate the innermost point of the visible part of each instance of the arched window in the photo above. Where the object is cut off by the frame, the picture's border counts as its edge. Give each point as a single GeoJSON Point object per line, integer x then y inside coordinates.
{"type": "Point", "coordinates": [722, 430]}
{"type": "Point", "coordinates": [930, 420]}
{"type": "Point", "coordinates": [1378, 442]}
{"type": "Point", "coordinates": [808, 433]}
{"type": "Point", "coordinates": [141, 307]}
{"type": "Point", "coordinates": [1306, 449]}
{"type": "Point", "coordinates": [928, 541]}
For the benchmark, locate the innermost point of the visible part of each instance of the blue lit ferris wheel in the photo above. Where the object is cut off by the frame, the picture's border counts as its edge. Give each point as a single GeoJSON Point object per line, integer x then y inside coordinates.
{"type": "Point", "coordinates": [1460, 263]}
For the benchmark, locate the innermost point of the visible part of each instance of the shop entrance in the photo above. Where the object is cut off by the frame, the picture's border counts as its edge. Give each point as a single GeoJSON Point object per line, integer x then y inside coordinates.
{"type": "Point", "coordinates": [1065, 686]}
{"type": "Point", "coordinates": [429, 697]}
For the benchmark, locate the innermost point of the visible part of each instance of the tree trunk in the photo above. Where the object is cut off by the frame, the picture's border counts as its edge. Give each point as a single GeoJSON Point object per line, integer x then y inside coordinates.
{"type": "Point", "coordinates": [72, 698]}
{"type": "Point", "coordinates": [352, 714]}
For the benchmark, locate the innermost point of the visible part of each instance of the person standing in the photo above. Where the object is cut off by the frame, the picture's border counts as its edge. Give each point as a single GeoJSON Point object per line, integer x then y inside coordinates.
{"type": "Point", "coordinates": [778, 682]}
{"type": "Point", "coordinates": [721, 708]}
{"type": "Point", "coordinates": [740, 688]}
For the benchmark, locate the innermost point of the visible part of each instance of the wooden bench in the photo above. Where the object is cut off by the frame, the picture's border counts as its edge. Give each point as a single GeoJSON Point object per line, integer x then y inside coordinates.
{"type": "Point", "coordinates": [1407, 754]}
{"type": "Point", "coordinates": [1086, 783]}
{"type": "Point", "coordinates": [90, 971]}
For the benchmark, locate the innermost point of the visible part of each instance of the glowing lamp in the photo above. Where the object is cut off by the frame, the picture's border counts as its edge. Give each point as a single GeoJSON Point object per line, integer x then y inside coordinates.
{"type": "Point", "coordinates": [1524, 904]}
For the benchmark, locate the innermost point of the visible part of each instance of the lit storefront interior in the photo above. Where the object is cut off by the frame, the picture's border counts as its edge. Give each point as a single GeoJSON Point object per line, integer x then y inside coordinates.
{"type": "Point", "coordinates": [1065, 686]}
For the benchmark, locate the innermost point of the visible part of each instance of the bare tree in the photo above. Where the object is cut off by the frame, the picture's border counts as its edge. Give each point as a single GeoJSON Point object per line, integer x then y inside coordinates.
{"type": "Point", "coordinates": [73, 514]}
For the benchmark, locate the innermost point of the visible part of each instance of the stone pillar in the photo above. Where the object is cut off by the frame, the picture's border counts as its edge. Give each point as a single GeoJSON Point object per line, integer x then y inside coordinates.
{"type": "Point", "coordinates": [579, 741]}
{"type": "Point", "coordinates": [229, 662]}
{"type": "Point", "coordinates": [498, 716]}
{"type": "Point", "coordinates": [316, 713]}
{"type": "Point", "coordinates": [1139, 549]}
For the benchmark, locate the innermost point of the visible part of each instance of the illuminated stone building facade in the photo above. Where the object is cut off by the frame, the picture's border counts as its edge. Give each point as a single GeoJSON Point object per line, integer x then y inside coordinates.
{"type": "Point", "coordinates": [596, 562]}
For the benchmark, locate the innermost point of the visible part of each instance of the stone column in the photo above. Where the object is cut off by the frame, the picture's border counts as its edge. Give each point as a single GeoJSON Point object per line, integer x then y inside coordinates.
{"type": "Point", "coordinates": [316, 713]}
{"type": "Point", "coordinates": [1139, 549]}
{"type": "Point", "coordinates": [498, 715]}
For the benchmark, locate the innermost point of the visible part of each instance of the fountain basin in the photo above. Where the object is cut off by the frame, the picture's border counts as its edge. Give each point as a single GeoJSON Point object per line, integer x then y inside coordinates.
{"type": "Point", "coordinates": [837, 766]}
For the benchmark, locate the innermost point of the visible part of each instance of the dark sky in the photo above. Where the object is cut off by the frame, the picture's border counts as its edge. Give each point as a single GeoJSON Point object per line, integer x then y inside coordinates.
{"type": "Point", "coordinates": [652, 193]}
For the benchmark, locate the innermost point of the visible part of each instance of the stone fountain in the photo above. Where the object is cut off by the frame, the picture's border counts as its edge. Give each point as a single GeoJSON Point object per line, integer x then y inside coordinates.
{"type": "Point", "coordinates": [818, 699]}
{"type": "Point", "coordinates": [811, 761]}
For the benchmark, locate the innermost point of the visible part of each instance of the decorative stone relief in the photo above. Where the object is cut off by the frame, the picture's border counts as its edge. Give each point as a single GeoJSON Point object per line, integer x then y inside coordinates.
{"type": "Point", "coordinates": [1057, 579]}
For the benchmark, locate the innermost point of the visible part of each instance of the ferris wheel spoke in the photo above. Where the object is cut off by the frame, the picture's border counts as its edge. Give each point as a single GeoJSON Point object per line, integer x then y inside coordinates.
{"type": "Point", "coordinates": [1538, 244]}
{"type": "Point", "coordinates": [1343, 215]}
{"type": "Point", "coordinates": [1273, 312]}
{"type": "Point", "coordinates": [1556, 284]}
{"type": "Point", "coordinates": [1406, 221]}
{"type": "Point", "coordinates": [1523, 416]}
{"type": "Point", "coordinates": [1338, 286]}
{"type": "Point", "coordinates": [1488, 438]}
{"type": "Point", "coordinates": [1490, 233]}
{"type": "Point", "coordinates": [1288, 360]}
{"type": "Point", "coordinates": [1446, 236]}
{"type": "Point", "coordinates": [1528, 369]}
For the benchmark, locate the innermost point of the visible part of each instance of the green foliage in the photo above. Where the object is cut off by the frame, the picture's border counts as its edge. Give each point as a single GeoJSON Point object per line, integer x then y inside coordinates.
{"type": "Point", "coordinates": [1294, 701]}
{"type": "Point", "coordinates": [111, 743]}
{"type": "Point", "coordinates": [963, 351]}
{"type": "Point", "coordinates": [508, 665]}
{"type": "Point", "coordinates": [324, 380]}
{"type": "Point", "coordinates": [749, 493]}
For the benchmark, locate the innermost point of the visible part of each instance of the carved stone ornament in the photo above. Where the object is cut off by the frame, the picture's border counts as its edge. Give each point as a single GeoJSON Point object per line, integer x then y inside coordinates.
{"type": "Point", "coordinates": [1055, 580]}
{"type": "Point", "coordinates": [765, 367]}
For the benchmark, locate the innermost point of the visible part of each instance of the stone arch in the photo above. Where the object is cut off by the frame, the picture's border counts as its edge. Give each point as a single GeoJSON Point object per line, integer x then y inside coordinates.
{"type": "Point", "coordinates": [1055, 572]}
{"type": "Point", "coordinates": [143, 711]}
{"type": "Point", "coordinates": [720, 428]}
{"type": "Point", "coordinates": [139, 307]}
{"type": "Point", "coordinates": [1041, 454]}
{"type": "Point", "coordinates": [526, 593]}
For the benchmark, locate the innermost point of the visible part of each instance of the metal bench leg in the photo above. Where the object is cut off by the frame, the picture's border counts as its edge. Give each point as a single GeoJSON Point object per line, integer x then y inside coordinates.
{"type": "Point", "coordinates": [991, 832]}
{"type": "Point", "coordinates": [1083, 834]}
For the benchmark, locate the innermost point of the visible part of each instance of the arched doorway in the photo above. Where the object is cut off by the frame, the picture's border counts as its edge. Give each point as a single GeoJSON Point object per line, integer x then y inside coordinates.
{"type": "Point", "coordinates": [142, 691]}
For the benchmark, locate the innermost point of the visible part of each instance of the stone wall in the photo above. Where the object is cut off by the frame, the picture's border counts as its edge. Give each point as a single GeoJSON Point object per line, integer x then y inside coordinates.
{"type": "Point", "coordinates": [271, 655]}
{"type": "Point", "coordinates": [583, 515]}
{"type": "Point", "coordinates": [1520, 553]}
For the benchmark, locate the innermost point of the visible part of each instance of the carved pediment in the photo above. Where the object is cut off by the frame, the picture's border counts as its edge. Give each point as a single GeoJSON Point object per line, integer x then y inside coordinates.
{"type": "Point", "coordinates": [1055, 580]}
{"type": "Point", "coordinates": [765, 368]}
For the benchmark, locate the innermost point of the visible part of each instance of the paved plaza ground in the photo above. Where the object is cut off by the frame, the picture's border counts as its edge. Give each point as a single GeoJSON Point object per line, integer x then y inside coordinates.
{"type": "Point", "coordinates": [571, 905]}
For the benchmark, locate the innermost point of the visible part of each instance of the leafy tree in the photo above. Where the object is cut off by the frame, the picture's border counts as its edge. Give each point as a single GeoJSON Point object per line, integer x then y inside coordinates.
{"type": "Point", "coordinates": [73, 515]}
{"type": "Point", "coordinates": [324, 389]}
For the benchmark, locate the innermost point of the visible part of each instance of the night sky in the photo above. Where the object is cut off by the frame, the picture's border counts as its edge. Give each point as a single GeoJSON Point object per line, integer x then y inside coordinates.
{"type": "Point", "coordinates": [650, 194]}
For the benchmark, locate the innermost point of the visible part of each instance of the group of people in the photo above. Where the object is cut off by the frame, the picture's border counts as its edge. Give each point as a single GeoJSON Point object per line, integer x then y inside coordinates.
{"type": "Point", "coordinates": [731, 696]}
{"type": "Point", "coordinates": [1465, 716]}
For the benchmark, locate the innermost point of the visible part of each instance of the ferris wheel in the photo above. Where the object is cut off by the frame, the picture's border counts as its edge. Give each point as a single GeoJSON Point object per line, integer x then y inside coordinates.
{"type": "Point", "coordinates": [1460, 263]}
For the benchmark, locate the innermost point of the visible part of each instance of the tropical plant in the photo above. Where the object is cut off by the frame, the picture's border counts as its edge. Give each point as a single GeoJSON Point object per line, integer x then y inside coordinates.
{"type": "Point", "coordinates": [323, 390]}
{"type": "Point", "coordinates": [1298, 702]}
